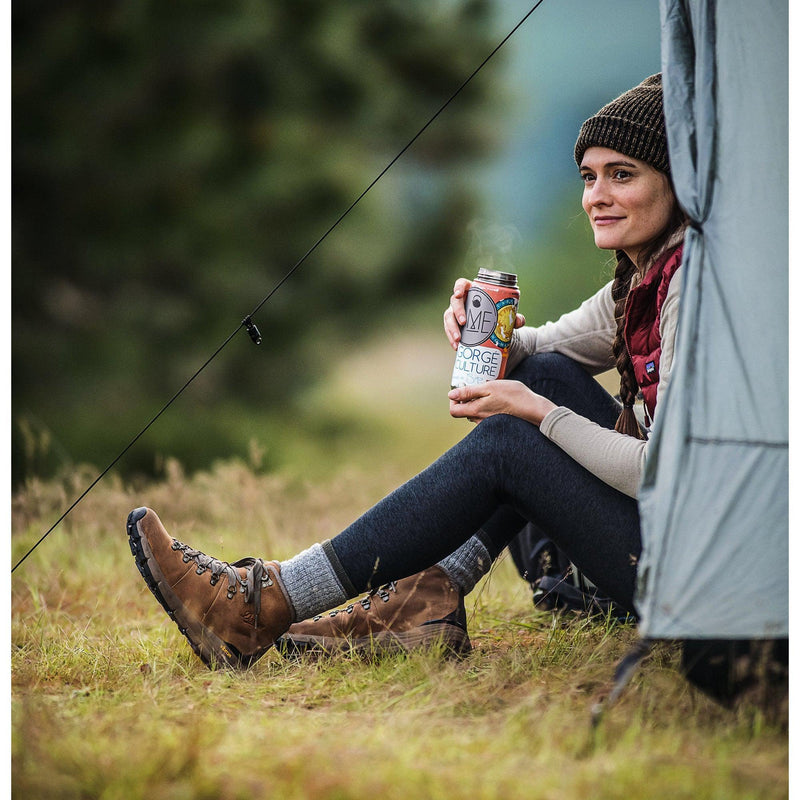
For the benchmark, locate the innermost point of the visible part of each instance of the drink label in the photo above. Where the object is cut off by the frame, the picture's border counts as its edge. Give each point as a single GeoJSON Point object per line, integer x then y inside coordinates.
{"type": "Point", "coordinates": [481, 317]}
{"type": "Point", "coordinates": [485, 338]}
{"type": "Point", "coordinates": [476, 365]}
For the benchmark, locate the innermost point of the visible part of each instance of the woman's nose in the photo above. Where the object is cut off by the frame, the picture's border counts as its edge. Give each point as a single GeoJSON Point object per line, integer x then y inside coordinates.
{"type": "Point", "coordinates": [599, 194]}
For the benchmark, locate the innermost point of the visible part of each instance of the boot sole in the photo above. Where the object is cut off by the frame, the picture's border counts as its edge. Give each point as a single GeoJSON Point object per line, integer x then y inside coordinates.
{"type": "Point", "coordinates": [451, 638]}
{"type": "Point", "coordinates": [206, 645]}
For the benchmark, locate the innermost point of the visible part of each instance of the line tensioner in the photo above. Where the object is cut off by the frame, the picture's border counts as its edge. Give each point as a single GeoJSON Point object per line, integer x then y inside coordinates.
{"type": "Point", "coordinates": [247, 323]}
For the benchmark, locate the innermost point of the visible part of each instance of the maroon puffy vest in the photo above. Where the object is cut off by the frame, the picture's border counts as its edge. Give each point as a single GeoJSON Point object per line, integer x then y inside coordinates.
{"type": "Point", "coordinates": [643, 320]}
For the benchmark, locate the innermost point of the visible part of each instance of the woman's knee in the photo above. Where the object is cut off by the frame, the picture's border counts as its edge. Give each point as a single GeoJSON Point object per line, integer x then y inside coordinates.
{"type": "Point", "coordinates": [497, 439]}
{"type": "Point", "coordinates": [505, 426]}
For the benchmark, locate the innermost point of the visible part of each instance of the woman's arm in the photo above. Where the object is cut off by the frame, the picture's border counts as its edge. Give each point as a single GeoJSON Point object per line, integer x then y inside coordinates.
{"type": "Point", "coordinates": [615, 458]}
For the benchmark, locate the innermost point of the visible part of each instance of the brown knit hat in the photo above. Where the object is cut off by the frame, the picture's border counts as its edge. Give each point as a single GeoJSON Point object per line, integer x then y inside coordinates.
{"type": "Point", "coordinates": [632, 124]}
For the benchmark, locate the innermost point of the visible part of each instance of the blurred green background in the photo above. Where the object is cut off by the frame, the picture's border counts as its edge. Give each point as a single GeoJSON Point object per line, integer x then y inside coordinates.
{"type": "Point", "coordinates": [172, 161]}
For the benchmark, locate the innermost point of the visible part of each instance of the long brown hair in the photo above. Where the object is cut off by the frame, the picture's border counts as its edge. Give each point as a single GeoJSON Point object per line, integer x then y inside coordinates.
{"type": "Point", "coordinates": [624, 275]}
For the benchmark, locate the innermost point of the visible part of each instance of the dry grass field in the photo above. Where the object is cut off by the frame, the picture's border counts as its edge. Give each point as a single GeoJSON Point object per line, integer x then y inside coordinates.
{"type": "Point", "coordinates": [109, 702]}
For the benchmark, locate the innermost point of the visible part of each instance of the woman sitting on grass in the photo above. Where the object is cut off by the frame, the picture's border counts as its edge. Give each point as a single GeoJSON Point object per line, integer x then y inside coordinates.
{"type": "Point", "coordinates": [551, 447]}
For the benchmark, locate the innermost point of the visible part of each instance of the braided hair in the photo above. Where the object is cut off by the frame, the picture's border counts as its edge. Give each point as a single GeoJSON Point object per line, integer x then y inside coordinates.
{"type": "Point", "coordinates": [624, 275]}
{"type": "Point", "coordinates": [628, 386]}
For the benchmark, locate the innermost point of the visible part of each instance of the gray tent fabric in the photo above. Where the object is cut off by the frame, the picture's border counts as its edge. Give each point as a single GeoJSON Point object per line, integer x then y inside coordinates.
{"type": "Point", "coordinates": [714, 498]}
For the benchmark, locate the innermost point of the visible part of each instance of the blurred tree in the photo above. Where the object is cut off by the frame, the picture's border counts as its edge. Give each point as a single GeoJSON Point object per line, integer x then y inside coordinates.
{"type": "Point", "coordinates": [171, 161]}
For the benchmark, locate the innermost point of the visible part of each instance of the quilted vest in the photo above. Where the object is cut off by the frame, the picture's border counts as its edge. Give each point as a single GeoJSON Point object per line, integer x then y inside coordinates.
{"type": "Point", "coordinates": [642, 329]}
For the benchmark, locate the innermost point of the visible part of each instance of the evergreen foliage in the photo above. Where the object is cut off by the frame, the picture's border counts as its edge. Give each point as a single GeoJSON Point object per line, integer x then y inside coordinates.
{"type": "Point", "coordinates": [172, 161]}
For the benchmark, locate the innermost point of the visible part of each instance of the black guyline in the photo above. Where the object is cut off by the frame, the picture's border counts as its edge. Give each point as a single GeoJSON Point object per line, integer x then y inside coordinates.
{"type": "Point", "coordinates": [247, 322]}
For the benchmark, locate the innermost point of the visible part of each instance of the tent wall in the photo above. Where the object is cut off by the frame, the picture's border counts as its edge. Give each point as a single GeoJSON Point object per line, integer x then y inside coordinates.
{"type": "Point", "coordinates": [714, 498]}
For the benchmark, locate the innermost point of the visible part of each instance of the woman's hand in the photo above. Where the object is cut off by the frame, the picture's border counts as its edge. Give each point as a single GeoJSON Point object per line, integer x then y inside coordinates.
{"type": "Point", "coordinates": [499, 397]}
{"type": "Point", "coordinates": [455, 316]}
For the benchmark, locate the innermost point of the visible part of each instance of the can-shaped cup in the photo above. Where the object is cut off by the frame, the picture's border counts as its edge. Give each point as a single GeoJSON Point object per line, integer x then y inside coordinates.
{"type": "Point", "coordinates": [491, 309]}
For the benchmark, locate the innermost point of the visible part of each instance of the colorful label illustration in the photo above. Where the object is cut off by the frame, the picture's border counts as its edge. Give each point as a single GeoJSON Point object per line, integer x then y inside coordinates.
{"type": "Point", "coordinates": [485, 338]}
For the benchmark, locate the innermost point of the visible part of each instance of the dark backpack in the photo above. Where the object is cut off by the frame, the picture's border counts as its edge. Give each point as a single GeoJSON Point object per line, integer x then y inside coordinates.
{"type": "Point", "coordinates": [556, 582]}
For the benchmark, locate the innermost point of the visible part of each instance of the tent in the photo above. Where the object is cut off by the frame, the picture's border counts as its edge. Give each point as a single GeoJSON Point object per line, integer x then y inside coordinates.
{"type": "Point", "coordinates": [715, 494]}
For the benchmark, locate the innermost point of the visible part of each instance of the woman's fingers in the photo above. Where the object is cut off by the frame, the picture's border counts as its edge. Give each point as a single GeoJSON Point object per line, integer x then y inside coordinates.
{"type": "Point", "coordinates": [451, 328]}
{"type": "Point", "coordinates": [455, 315]}
{"type": "Point", "coordinates": [462, 401]}
{"type": "Point", "coordinates": [499, 397]}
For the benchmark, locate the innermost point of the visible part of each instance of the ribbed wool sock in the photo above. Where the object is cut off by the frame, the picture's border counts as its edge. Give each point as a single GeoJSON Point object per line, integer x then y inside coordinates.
{"type": "Point", "coordinates": [315, 581]}
{"type": "Point", "coordinates": [467, 565]}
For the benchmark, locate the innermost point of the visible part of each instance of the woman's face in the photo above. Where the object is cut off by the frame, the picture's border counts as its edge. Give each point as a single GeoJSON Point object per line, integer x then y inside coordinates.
{"type": "Point", "coordinates": [628, 202]}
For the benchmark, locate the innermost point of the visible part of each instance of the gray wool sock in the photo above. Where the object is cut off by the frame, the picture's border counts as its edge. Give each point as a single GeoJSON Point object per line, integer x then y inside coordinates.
{"type": "Point", "coordinates": [467, 565]}
{"type": "Point", "coordinates": [313, 581]}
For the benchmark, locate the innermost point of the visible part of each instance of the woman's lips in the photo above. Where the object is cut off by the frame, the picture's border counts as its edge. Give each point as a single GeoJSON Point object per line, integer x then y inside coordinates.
{"type": "Point", "coordinates": [601, 221]}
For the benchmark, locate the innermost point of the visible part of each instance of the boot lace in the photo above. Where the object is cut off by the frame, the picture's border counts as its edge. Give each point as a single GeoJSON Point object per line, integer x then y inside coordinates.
{"type": "Point", "coordinates": [365, 602]}
{"type": "Point", "coordinates": [255, 579]}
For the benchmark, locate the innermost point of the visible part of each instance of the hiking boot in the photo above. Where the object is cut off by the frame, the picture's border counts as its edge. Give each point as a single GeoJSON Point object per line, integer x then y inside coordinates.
{"type": "Point", "coordinates": [419, 612]}
{"type": "Point", "coordinates": [230, 613]}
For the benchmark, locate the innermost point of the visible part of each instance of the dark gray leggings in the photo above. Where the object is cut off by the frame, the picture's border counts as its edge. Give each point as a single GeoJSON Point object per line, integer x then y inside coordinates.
{"type": "Point", "coordinates": [502, 474]}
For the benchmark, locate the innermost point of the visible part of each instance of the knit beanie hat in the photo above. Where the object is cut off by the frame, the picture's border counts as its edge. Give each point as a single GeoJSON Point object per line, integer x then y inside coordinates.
{"type": "Point", "coordinates": [632, 124]}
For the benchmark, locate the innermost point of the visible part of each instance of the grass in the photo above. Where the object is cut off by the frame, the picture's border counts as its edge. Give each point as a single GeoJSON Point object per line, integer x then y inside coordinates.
{"type": "Point", "coordinates": [107, 700]}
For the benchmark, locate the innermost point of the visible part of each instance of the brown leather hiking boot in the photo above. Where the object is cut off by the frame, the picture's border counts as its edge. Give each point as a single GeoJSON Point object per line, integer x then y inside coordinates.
{"type": "Point", "coordinates": [230, 622]}
{"type": "Point", "coordinates": [418, 612]}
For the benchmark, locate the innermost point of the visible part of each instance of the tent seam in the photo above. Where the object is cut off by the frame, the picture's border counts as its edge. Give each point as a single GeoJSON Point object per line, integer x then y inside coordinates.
{"type": "Point", "coordinates": [739, 442]}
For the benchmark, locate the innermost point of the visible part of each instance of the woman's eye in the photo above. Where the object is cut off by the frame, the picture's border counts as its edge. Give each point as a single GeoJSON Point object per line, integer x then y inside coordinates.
{"type": "Point", "coordinates": [586, 177]}
{"type": "Point", "coordinates": [621, 174]}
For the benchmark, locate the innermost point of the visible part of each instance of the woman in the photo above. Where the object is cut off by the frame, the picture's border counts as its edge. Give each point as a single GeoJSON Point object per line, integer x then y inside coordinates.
{"type": "Point", "coordinates": [551, 447]}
